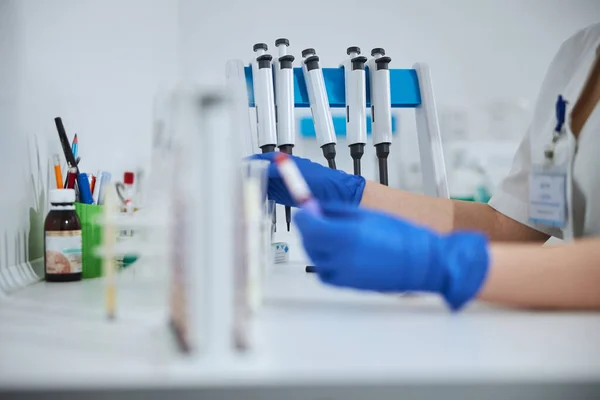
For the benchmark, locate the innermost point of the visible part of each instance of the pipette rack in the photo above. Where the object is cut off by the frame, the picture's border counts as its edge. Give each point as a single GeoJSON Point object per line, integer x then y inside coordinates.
{"type": "Point", "coordinates": [409, 88]}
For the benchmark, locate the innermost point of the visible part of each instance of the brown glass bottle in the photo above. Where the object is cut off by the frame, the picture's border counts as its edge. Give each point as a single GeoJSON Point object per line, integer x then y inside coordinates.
{"type": "Point", "coordinates": [62, 238]}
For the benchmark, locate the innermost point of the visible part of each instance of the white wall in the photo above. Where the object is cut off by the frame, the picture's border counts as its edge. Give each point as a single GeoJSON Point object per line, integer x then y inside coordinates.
{"type": "Point", "coordinates": [97, 64]}
{"type": "Point", "coordinates": [477, 49]}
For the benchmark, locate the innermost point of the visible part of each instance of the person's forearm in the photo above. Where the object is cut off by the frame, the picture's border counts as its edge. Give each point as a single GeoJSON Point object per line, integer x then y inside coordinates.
{"type": "Point", "coordinates": [557, 277]}
{"type": "Point", "coordinates": [445, 215]}
{"type": "Point", "coordinates": [433, 212]}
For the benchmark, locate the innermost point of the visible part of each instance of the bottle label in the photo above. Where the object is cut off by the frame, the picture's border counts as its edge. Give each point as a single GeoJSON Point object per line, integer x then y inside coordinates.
{"type": "Point", "coordinates": [63, 252]}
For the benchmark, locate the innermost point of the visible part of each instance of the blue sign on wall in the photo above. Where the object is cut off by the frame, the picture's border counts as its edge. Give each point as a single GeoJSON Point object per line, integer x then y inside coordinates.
{"type": "Point", "coordinates": [307, 127]}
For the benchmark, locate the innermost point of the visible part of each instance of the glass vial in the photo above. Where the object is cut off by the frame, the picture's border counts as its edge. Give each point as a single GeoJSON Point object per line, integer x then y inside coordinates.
{"type": "Point", "coordinates": [62, 238]}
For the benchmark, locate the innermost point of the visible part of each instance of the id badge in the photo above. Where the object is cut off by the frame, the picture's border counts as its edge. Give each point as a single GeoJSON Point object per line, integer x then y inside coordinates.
{"type": "Point", "coordinates": [548, 196]}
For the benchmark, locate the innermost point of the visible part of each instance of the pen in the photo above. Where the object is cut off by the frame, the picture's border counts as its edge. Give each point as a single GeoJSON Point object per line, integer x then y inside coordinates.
{"type": "Point", "coordinates": [67, 167]}
{"type": "Point", "coordinates": [92, 184]}
{"type": "Point", "coordinates": [64, 141]}
{"type": "Point", "coordinates": [96, 189]}
{"type": "Point", "coordinates": [83, 184]}
{"type": "Point", "coordinates": [58, 172]}
{"type": "Point", "coordinates": [71, 175]}
{"type": "Point", "coordinates": [561, 110]}
{"type": "Point", "coordinates": [104, 179]}
{"type": "Point", "coordinates": [75, 146]}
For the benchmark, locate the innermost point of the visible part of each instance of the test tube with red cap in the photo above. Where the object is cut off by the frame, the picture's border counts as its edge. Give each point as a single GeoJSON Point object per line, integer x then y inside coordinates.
{"type": "Point", "coordinates": [295, 183]}
{"type": "Point", "coordinates": [128, 179]}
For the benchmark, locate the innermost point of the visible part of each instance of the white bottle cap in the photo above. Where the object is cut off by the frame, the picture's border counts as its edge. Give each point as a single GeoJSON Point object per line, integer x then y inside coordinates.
{"type": "Point", "coordinates": [62, 196]}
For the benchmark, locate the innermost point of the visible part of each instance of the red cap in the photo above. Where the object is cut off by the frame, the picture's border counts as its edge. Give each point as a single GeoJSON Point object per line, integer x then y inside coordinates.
{"type": "Point", "coordinates": [280, 157]}
{"type": "Point", "coordinates": [128, 178]}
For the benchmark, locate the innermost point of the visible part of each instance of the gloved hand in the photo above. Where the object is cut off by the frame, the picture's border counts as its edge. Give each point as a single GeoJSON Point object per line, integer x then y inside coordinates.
{"type": "Point", "coordinates": [368, 250]}
{"type": "Point", "coordinates": [326, 184]}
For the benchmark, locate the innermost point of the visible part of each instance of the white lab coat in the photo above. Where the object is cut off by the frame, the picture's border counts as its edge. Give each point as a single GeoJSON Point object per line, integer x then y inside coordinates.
{"type": "Point", "coordinates": [566, 76]}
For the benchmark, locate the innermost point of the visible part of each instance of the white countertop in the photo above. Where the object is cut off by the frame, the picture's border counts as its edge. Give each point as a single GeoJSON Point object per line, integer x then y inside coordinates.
{"type": "Point", "coordinates": [306, 333]}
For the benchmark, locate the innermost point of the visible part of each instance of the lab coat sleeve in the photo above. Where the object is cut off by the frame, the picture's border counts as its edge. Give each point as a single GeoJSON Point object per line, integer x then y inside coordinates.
{"type": "Point", "coordinates": [511, 198]}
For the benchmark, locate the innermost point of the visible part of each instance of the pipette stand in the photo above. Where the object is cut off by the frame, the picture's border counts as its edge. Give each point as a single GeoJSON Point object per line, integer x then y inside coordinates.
{"type": "Point", "coordinates": [409, 88]}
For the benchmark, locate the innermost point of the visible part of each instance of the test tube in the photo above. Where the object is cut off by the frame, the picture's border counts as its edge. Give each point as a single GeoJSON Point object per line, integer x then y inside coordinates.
{"type": "Point", "coordinates": [254, 174]}
{"type": "Point", "coordinates": [204, 202]}
{"type": "Point", "coordinates": [295, 183]}
{"type": "Point", "coordinates": [219, 226]}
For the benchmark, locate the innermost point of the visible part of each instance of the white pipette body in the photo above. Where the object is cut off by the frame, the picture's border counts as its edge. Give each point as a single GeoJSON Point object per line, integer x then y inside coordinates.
{"type": "Point", "coordinates": [356, 97]}
{"type": "Point", "coordinates": [264, 98]}
{"type": "Point", "coordinates": [381, 105]}
{"type": "Point", "coordinates": [284, 95]}
{"type": "Point", "coordinates": [317, 96]}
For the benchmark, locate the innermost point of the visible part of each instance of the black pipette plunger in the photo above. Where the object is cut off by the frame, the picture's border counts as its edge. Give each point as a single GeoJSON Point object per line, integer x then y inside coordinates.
{"type": "Point", "coordinates": [287, 149]}
{"type": "Point", "coordinates": [356, 152]}
{"type": "Point", "coordinates": [383, 151]}
{"type": "Point", "coordinates": [329, 154]}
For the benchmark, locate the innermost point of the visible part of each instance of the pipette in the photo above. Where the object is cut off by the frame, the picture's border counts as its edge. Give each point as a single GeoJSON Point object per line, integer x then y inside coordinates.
{"type": "Point", "coordinates": [264, 99]}
{"type": "Point", "coordinates": [295, 183]}
{"type": "Point", "coordinates": [356, 104]}
{"type": "Point", "coordinates": [381, 109]}
{"type": "Point", "coordinates": [319, 105]}
{"type": "Point", "coordinates": [284, 98]}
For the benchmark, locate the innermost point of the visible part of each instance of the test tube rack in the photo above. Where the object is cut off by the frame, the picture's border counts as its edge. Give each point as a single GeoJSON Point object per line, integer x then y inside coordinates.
{"type": "Point", "coordinates": [409, 88]}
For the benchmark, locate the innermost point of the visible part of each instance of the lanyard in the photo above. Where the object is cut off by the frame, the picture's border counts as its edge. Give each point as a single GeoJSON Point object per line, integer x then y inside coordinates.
{"type": "Point", "coordinates": [559, 129]}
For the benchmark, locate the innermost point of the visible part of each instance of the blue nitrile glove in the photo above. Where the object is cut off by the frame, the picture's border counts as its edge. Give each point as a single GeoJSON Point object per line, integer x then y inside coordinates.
{"type": "Point", "coordinates": [369, 250]}
{"type": "Point", "coordinates": [326, 184]}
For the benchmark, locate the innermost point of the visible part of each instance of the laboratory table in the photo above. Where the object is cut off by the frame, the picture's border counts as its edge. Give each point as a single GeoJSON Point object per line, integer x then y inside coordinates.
{"type": "Point", "coordinates": [313, 342]}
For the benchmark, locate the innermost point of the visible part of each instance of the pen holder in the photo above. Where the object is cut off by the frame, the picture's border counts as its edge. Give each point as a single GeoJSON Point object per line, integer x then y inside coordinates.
{"type": "Point", "coordinates": [91, 232]}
